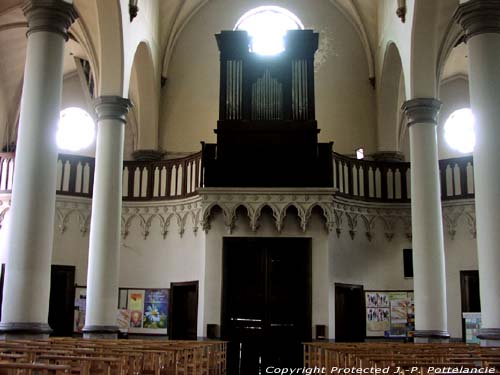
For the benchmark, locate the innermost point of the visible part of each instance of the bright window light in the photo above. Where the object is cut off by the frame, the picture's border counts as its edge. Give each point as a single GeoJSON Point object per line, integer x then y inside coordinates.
{"type": "Point", "coordinates": [76, 129]}
{"type": "Point", "coordinates": [360, 153]}
{"type": "Point", "coordinates": [459, 130]}
{"type": "Point", "coordinates": [267, 26]}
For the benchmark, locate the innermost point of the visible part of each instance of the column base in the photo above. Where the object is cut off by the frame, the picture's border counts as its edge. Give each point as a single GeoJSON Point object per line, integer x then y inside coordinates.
{"type": "Point", "coordinates": [430, 336]}
{"type": "Point", "coordinates": [24, 331]}
{"type": "Point", "coordinates": [100, 332]}
{"type": "Point", "coordinates": [489, 336]}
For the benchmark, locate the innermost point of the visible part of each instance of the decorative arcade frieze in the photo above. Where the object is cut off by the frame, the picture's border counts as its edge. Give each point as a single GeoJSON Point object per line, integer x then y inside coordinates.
{"type": "Point", "coordinates": [365, 200]}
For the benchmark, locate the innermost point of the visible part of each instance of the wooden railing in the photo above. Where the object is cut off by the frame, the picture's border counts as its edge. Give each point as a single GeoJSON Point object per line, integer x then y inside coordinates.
{"type": "Point", "coordinates": [166, 179]}
{"type": "Point", "coordinates": [391, 181]}
{"type": "Point", "coordinates": [142, 181]}
{"type": "Point", "coordinates": [179, 178]}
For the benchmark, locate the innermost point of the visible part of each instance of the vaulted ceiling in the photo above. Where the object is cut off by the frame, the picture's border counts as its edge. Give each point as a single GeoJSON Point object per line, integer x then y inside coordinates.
{"type": "Point", "coordinates": [175, 14]}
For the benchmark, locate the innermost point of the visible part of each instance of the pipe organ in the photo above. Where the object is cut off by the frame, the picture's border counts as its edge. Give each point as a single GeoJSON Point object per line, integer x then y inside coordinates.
{"type": "Point", "coordinates": [267, 135]}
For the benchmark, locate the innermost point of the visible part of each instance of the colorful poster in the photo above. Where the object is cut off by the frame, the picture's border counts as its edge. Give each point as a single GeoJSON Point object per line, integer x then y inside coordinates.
{"type": "Point", "coordinates": [389, 313]}
{"type": "Point", "coordinates": [377, 321]}
{"type": "Point", "coordinates": [155, 309]}
{"type": "Point", "coordinates": [136, 306]}
{"type": "Point", "coordinates": [80, 307]}
{"type": "Point", "coordinates": [399, 307]}
{"type": "Point", "coordinates": [123, 320]}
{"type": "Point", "coordinates": [377, 299]}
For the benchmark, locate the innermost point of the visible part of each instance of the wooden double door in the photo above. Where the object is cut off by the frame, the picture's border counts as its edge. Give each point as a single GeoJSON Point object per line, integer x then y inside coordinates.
{"type": "Point", "coordinates": [266, 312]}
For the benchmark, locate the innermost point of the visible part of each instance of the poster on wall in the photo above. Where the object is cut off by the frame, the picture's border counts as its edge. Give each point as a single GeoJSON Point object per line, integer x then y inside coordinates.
{"type": "Point", "coordinates": [136, 307]}
{"type": "Point", "coordinates": [155, 309]}
{"type": "Point", "coordinates": [377, 299]}
{"type": "Point", "coordinates": [377, 321]}
{"type": "Point", "coordinates": [80, 308]}
{"type": "Point", "coordinates": [389, 314]}
{"type": "Point", "coordinates": [123, 320]}
{"type": "Point", "coordinates": [139, 310]}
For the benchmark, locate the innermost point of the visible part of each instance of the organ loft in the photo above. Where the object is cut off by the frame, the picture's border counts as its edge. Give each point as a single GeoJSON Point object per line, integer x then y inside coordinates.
{"type": "Point", "coordinates": [267, 134]}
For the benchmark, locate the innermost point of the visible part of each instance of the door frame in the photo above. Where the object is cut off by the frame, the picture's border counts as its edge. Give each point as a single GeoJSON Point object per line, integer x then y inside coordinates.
{"type": "Point", "coordinates": [224, 292]}
{"type": "Point", "coordinates": [463, 273]}
{"type": "Point", "coordinates": [72, 270]}
{"type": "Point", "coordinates": [173, 285]}
{"type": "Point", "coordinates": [363, 305]}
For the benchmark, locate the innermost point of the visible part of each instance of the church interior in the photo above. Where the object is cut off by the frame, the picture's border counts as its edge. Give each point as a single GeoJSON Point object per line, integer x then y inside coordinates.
{"type": "Point", "coordinates": [270, 181]}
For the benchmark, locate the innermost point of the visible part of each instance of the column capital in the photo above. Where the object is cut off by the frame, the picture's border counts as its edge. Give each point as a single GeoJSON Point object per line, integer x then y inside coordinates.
{"type": "Point", "coordinates": [55, 16]}
{"type": "Point", "coordinates": [478, 17]}
{"type": "Point", "coordinates": [422, 110]}
{"type": "Point", "coordinates": [112, 108]}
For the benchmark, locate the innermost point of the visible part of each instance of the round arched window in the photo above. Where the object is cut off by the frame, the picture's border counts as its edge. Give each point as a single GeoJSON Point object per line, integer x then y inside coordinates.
{"type": "Point", "coordinates": [459, 130]}
{"type": "Point", "coordinates": [76, 129]}
{"type": "Point", "coordinates": [267, 26]}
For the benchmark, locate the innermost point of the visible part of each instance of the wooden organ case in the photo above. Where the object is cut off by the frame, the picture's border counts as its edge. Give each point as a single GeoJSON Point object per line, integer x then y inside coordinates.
{"type": "Point", "coordinates": [267, 135]}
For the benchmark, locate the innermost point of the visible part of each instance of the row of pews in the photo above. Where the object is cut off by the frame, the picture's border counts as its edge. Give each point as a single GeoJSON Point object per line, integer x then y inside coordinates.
{"type": "Point", "coordinates": [57, 356]}
{"type": "Point", "coordinates": [400, 358]}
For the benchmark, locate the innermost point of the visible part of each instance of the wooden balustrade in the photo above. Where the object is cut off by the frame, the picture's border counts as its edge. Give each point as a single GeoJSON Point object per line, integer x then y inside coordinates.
{"type": "Point", "coordinates": [166, 179]}
{"type": "Point", "coordinates": [6, 171]}
{"type": "Point", "coordinates": [161, 180]}
{"type": "Point", "coordinates": [391, 182]}
{"type": "Point", "coordinates": [179, 178]}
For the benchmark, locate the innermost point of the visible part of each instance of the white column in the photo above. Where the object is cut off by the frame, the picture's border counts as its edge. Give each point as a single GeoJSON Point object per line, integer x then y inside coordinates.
{"type": "Point", "coordinates": [105, 225]}
{"type": "Point", "coordinates": [481, 22]}
{"type": "Point", "coordinates": [27, 279]}
{"type": "Point", "coordinates": [429, 280]}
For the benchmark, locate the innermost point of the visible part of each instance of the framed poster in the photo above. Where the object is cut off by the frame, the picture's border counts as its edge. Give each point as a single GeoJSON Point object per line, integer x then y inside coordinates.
{"type": "Point", "coordinates": [136, 307]}
{"type": "Point", "coordinates": [139, 310]}
{"type": "Point", "coordinates": [377, 321]}
{"type": "Point", "coordinates": [123, 320]}
{"type": "Point", "coordinates": [148, 309]}
{"type": "Point", "coordinates": [80, 308]}
{"type": "Point", "coordinates": [389, 313]}
{"type": "Point", "coordinates": [155, 309]}
{"type": "Point", "coordinates": [377, 299]}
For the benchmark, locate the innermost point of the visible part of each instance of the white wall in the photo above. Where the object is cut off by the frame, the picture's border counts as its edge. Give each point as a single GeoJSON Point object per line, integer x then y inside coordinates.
{"type": "Point", "coordinates": [155, 262]}
{"type": "Point", "coordinates": [378, 265]}
{"type": "Point", "coordinates": [344, 96]}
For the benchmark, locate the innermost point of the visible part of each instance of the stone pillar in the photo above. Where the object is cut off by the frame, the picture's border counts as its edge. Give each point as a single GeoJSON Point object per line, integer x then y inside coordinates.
{"type": "Point", "coordinates": [30, 235]}
{"type": "Point", "coordinates": [429, 280]}
{"type": "Point", "coordinates": [481, 22]}
{"type": "Point", "coordinates": [105, 225]}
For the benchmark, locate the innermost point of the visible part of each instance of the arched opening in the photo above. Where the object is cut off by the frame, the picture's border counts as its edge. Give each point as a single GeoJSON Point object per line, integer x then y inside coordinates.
{"type": "Point", "coordinates": [391, 96]}
{"type": "Point", "coordinates": [76, 130]}
{"type": "Point", "coordinates": [144, 94]}
{"type": "Point", "coordinates": [267, 26]}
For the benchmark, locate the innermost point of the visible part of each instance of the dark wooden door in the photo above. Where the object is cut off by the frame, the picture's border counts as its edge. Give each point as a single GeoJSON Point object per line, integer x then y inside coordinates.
{"type": "Point", "coordinates": [350, 319]}
{"type": "Point", "coordinates": [62, 300]}
{"type": "Point", "coordinates": [470, 297]}
{"type": "Point", "coordinates": [266, 302]}
{"type": "Point", "coordinates": [184, 310]}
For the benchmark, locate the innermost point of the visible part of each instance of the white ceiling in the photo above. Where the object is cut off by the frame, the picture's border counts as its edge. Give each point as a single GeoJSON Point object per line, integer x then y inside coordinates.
{"type": "Point", "coordinates": [174, 15]}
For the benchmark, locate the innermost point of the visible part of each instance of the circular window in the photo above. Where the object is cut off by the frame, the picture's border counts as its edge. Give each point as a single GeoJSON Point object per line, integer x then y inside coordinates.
{"type": "Point", "coordinates": [267, 26]}
{"type": "Point", "coordinates": [76, 129]}
{"type": "Point", "coordinates": [459, 130]}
